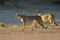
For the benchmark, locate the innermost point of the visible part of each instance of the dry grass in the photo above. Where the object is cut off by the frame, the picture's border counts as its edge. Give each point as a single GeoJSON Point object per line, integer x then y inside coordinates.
{"type": "Point", "coordinates": [15, 26]}
{"type": "Point", "coordinates": [13, 32]}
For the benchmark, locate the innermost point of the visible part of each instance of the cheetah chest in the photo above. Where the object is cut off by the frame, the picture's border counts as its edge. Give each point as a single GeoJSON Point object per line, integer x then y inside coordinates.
{"type": "Point", "coordinates": [21, 19]}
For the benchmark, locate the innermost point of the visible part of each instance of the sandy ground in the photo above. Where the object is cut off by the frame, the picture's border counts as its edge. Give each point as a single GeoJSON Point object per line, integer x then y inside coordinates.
{"type": "Point", "coordinates": [15, 33]}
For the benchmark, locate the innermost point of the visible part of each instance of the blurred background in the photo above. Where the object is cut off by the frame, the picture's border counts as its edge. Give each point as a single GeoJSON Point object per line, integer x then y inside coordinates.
{"type": "Point", "coordinates": [8, 9]}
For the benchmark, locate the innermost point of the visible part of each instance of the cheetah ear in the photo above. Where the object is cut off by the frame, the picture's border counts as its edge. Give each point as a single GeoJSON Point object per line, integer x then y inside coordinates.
{"type": "Point", "coordinates": [17, 14]}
